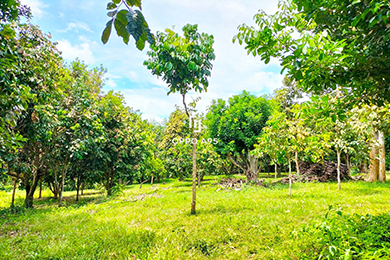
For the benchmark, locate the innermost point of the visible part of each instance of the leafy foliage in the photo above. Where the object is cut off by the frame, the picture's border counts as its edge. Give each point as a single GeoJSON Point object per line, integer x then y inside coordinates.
{"type": "Point", "coordinates": [127, 22]}
{"type": "Point", "coordinates": [341, 236]}
{"type": "Point", "coordinates": [327, 44]}
{"type": "Point", "coordinates": [184, 63]}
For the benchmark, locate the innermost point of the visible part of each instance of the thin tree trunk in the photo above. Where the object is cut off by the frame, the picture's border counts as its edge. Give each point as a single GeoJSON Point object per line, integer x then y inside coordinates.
{"type": "Point", "coordinates": [78, 187]}
{"type": "Point", "coordinates": [62, 190]}
{"type": "Point", "coordinates": [14, 181]}
{"type": "Point", "coordinates": [56, 185]}
{"type": "Point", "coordinates": [77, 194]}
{"type": "Point", "coordinates": [63, 182]}
{"type": "Point", "coordinates": [289, 177]}
{"type": "Point", "coordinates": [193, 203]}
{"type": "Point", "coordinates": [338, 169]}
{"type": "Point", "coordinates": [382, 158]}
{"type": "Point", "coordinates": [296, 163]}
{"type": "Point", "coordinates": [82, 188]}
{"type": "Point", "coordinates": [40, 189]}
{"type": "Point", "coordinates": [276, 171]}
{"type": "Point", "coordinates": [151, 180]}
{"type": "Point", "coordinates": [374, 161]}
{"type": "Point", "coordinates": [348, 163]}
{"type": "Point", "coordinates": [140, 186]}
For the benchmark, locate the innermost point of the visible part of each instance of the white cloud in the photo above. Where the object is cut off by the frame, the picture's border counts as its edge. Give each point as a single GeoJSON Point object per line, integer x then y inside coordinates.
{"type": "Point", "coordinates": [111, 83]}
{"type": "Point", "coordinates": [76, 26]}
{"type": "Point", "coordinates": [81, 51]}
{"type": "Point", "coordinates": [153, 103]}
{"type": "Point", "coordinates": [36, 7]}
{"type": "Point", "coordinates": [133, 76]}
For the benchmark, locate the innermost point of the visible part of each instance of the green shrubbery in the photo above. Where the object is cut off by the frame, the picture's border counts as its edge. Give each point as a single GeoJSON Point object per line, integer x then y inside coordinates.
{"type": "Point", "coordinates": [355, 236]}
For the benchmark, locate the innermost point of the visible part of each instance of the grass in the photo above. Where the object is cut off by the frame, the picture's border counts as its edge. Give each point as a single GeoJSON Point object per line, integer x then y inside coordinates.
{"type": "Point", "coordinates": [154, 222]}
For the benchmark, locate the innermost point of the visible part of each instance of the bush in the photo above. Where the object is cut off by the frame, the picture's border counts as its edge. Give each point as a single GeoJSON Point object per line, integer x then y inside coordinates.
{"type": "Point", "coordinates": [341, 236]}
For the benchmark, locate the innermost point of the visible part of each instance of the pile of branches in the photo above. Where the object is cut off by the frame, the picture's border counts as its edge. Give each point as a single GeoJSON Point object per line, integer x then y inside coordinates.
{"type": "Point", "coordinates": [231, 182]}
{"type": "Point", "coordinates": [316, 172]}
{"type": "Point", "coordinates": [234, 183]}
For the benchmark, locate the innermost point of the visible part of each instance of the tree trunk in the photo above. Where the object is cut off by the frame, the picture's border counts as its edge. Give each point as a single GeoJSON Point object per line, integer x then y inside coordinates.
{"type": "Point", "coordinates": [276, 171]}
{"type": "Point", "coordinates": [14, 182]}
{"type": "Point", "coordinates": [77, 194]}
{"type": "Point", "coordinates": [382, 158]}
{"type": "Point", "coordinates": [142, 182]}
{"type": "Point", "coordinates": [374, 161]}
{"type": "Point", "coordinates": [348, 163]}
{"type": "Point", "coordinates": [40, 189]}
{"type": "Point", "coordinates": [253, 170]}
{"type": "Point", "coordinates": [78, 184]}
{"type": "Point", "coordinates": [151, 180]}
{"type": "Point", "coordinates": [56, 189]}
{"type": "Point", "coordinates": [289, 178]}
{"type": "Point", "coordinates": [193, 203]}
{"type": "Point", "coordinates": [82, 188]}
{"type": "Point", "coordinates": [338, 169]}
{"type": "Point", "coordinates": [30, 189]}
{"type": "Point", "coordinates": [63, 182]}
{"type": "Point", "coordinates": [296, 163]}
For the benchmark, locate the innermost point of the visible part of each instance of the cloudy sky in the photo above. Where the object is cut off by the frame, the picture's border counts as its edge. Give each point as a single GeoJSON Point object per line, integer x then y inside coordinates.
{"type": "Point", "coordinates": [77, 25]}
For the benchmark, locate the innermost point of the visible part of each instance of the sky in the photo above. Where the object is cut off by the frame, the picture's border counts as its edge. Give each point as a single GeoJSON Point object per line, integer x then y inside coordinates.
{"type": "Point", "coordinates": [76, 25]}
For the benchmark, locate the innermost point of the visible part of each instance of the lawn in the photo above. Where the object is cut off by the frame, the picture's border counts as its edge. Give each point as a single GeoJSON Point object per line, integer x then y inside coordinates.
{"type": "Point", "coordinates": [154, 222]}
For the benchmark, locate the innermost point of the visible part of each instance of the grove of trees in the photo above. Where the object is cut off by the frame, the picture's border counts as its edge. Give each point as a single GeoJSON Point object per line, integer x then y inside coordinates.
{"type": "Point", "coordinates": [60, 130]}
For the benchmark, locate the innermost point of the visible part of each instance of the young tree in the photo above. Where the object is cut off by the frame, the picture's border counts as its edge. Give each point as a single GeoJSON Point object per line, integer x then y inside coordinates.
{"type": "Point", "coordinates": [330, 120]}
{"type": "Point", "coordinates": [184, 63]}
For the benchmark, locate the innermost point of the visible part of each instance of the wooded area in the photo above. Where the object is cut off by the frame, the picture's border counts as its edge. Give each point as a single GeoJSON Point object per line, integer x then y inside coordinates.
{"type": "Point", "coordinates": [324, 128]}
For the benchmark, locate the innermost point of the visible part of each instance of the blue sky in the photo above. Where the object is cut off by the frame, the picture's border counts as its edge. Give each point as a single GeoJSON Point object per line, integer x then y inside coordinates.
{"type": "Point", "coordinates": [77, 27]}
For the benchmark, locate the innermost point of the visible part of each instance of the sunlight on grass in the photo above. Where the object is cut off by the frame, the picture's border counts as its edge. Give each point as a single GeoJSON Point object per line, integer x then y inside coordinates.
{"type": "Point", "coordinates": [154, 222]}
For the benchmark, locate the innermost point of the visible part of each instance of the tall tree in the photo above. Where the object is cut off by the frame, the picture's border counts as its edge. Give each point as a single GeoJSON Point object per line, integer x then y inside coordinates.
{"type": "Point", "coordinates": [184, 63]}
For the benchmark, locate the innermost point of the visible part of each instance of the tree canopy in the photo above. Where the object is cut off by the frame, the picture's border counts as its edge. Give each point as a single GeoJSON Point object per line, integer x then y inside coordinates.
{"type": "Point", "coordinates": [326, 44]}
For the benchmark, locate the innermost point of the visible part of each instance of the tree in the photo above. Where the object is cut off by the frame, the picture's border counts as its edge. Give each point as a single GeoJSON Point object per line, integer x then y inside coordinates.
{"type": "Point", "coordinates": [327, 44]}
{"type": "Point", "coordinates": [332, 123]}
{"type": "Point", "coordinates": [237, 124]}
{"type": "Point", "coordinates": [184, 63]}
{"type": "Point", "coordinates": [35, 71]}
{"type": "Point", "coordinates": [373, 122]}
{"type": "Point", "coordinates": [127, 22]}
{"type": "Point", "coordinates": [11, 10]}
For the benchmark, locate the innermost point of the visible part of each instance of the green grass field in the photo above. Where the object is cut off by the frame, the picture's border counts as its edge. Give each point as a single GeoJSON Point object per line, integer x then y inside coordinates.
{"type": "Point", "coordinates": [154, 222]}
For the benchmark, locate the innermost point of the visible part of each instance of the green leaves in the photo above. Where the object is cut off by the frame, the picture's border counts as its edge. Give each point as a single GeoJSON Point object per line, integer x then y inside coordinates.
{"type": "Point", "coordinates": [329, 49]}
{"type": "Point", "coordinates": [183, 62]}
{"type": "Point", "coordinates": [120, 25]}
{"type": "Point", "coordinates": [128, 22]}
{"type": "Point", "coordinates": [107, 32]}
